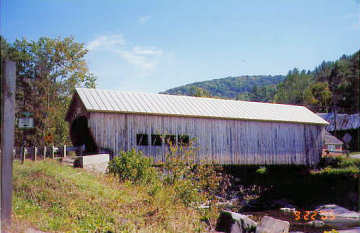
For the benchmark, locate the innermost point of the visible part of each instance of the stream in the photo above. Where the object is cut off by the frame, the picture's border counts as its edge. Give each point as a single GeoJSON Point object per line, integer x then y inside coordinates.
{"type": "Point", "coordinates": [300, 225]}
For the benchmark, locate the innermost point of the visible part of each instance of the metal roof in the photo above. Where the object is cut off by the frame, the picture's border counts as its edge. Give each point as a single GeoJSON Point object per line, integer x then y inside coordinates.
{"type": "Point", "coordinates": [330, 139]}
{"type": "Point", "coordinates": [97, 100]}
{"type": "Point", "coordinates": [343, 121]}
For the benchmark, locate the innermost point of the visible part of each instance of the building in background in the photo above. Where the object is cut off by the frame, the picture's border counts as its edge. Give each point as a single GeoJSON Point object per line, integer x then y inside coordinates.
{"type": "Point", "coordinates": [332, 145]}
{"type": "Point", "coordinates": [346, 127]}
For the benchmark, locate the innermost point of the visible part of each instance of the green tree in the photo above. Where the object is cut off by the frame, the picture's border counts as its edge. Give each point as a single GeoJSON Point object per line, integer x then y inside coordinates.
{"type": "Point", "coordinates": [318, 97]}
{"type": "Point", "coordinates": [199, 92]}
{"type": "Point", "coordinates": [291, 90]}
{"type": "Point", "coordinates": [48, 71]}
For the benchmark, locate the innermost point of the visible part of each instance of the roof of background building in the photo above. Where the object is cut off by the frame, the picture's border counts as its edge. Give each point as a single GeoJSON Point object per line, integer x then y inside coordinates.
{"type": "Point", "coordinates": [343, 121]}
{"type": "Point", "coordinates": [97, 100]}
{"type": "Point", "coordinates": [330, 139]}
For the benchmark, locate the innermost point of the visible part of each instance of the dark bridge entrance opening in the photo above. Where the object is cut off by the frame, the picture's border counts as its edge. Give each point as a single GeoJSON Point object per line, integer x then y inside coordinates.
{"type": "Point", "coordinates": [81, 135]}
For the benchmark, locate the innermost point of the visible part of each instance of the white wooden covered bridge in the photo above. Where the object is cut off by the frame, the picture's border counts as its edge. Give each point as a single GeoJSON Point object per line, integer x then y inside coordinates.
{"type": "Point", "coordinates": [226, 131]}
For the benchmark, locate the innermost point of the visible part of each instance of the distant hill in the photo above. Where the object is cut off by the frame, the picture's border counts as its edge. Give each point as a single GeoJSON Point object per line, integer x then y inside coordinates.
{"type": "Point", "coordinates": [229, 87]}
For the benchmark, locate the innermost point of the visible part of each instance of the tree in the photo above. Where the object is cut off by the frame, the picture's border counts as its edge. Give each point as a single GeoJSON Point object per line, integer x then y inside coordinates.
{"type": "Point", "coordinates": [48, 71]}
{"type": "Point", "coordinates": [291, 90]}
{"type": "Point", "coordinates": [199, 92]}
{"type": "Point", "coordinates": [318, 97]}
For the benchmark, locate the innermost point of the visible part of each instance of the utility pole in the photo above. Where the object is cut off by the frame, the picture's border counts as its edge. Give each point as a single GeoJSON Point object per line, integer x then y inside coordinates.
{"type": "Point", "coordinates": [8, 84]}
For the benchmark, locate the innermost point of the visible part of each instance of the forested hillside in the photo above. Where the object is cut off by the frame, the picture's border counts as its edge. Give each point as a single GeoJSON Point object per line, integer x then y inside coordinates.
{"type": "Point", "coordinates": [331, 86]}
{"type": "Point", "coordinates": [240, 87]}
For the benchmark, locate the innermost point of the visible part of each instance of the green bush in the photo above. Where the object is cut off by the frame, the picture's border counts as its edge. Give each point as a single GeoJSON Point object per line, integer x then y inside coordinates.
{"type": "Point", "coordinates": [349, 162]}
{"type": "Point", "coordinates": [344, 171]}
{"type": "Point", "coordinates": [193, 180]}
{"type": "Point", "coordinates": [261, 171]}
{"type": "Point", "coordinates": [133, 166]}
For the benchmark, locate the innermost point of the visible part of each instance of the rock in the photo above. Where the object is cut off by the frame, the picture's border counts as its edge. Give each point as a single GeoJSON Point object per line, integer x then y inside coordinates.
{"type": "Point", "coordinates": [226, 204]}
{"type": "Point", "coordinates": [231, 222]}
{"type": "Point", "coordinates": [337, 211]}
{"type": "Point", "coordinates": [353, 230]}
{"type": "Point", "coordinates": [287, 210]}
{"type": "Point", "coordinates": [316, 223]}
{"type": "Point", "coordinates": [272, 225]}
{"type": "Point", "coordinates": [338, 217]}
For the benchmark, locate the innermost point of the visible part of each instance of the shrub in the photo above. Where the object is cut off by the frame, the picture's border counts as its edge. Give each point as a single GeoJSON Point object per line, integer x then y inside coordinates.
{"type": "Point", "coordinates": [261, 171]}
{"type": "Point", "coordinates": [193, 180]}
{"type": "Point", "coordinates": [133, 166]}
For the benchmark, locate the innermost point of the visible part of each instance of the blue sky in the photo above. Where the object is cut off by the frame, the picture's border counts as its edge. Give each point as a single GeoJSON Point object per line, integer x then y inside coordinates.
{"type": "Point", "coordinates": [155, 45]}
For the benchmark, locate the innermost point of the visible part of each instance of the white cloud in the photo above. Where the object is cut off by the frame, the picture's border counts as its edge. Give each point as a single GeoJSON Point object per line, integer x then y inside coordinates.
{"type": "Point", "coordinates": [146, 51]}
{"type": "Point", "coordinates": [106, 42]}
{"type": "Point", "coordinates": [144, 19]}
{"type": "Point", "coordinates": [144, 58]}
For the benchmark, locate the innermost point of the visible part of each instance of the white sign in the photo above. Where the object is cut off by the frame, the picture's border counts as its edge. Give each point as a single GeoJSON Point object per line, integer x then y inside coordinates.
{"type": "Point", "coordinates": [26, 123]}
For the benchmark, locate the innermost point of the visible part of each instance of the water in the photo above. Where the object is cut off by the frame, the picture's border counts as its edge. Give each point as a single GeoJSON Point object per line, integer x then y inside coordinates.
{"type": "Point", "coordinates": [300, 225]}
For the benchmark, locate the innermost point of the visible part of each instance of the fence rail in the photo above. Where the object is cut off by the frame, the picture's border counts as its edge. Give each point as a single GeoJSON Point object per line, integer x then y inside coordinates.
{"type": "Point", "coordinates": [38, 153]}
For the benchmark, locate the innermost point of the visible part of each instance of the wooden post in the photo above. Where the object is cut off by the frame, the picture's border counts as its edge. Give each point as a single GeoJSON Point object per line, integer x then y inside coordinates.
{"type": "Point", "coordinates": [7, 139]}
{"type": "Point", "coordinates": [64, 151]}
{"type": "Point", "coordinates": [53, 152]}
{"type": "Point", "coordinates": [35, 152]}
{"type": "Point", "coordinates": [44, 153]}
{"type": "Point", "coordinates": [358, 193]}
{"type": "Point", "coordinates": [22, 154]}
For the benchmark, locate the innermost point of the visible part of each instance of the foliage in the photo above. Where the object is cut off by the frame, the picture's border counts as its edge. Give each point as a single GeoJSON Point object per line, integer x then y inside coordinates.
{"type": "Point", "coordinates": [56, 198]}
{"type": "Point", "coordinates": [332, 231]}
{"type": "Point", "coordinates": [231, 87]}
{"type": "Point", "coordinates": [261, 171]}
{"type": "Point", "coordinates": [133, 166]}
{"type": "Point", "coordinates": [332, 86]}
{"type": "Point", "coordinates": [340, 165]}
{"type": "Point", "coordinates": [318, 96]}
{"type": "Point", "coordinates": [48, 71]}
{"type": "Point", "coordinates": [199, 92]}
{"type": "Point", "coordinates": [193, 179]}
{"type": "Point", "coordinates": [291, 90]}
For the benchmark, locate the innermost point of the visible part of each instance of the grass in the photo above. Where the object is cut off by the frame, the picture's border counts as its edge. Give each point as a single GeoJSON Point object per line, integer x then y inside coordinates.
{"type": "Point", "coordinates": [354, 153]}
{"type": "Point", "coordinates": [340, 165]}
{"type": "Point", "coordinates": [56, 198]}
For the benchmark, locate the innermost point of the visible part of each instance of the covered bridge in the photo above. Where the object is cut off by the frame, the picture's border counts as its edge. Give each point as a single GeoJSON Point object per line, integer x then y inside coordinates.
{"type": "Point", "coordinates": [226, 131]}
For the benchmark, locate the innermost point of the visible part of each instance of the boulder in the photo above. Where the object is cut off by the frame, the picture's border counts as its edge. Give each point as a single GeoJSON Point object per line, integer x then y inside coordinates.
{"type": "Point", "coordinates": [272, 225]}
{"type": "Point", "coordinates": [353, 230]}
{"type": "Point", "coordinates": [287, 210]}
{"type": "Point", "coordinates": [316, 223]}
{"type": "Point", "coordinates": [231, 222]}
{"type": "Point", "coordinates": [338, 217]}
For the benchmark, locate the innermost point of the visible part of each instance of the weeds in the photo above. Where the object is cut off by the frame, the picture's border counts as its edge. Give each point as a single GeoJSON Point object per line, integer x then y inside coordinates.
{"type": "Point", "coordinates": [55, 198]}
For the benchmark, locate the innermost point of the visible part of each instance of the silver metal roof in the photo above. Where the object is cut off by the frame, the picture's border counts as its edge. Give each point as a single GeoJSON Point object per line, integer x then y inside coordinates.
{"type": "Point", "coordinates": [343, 121]}
{"type": "Point", "coordinates": [97, 100]}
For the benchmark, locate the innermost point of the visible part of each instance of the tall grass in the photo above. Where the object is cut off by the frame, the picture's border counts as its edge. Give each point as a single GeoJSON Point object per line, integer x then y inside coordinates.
{"type": "Point", "coordinates": [55, 198]}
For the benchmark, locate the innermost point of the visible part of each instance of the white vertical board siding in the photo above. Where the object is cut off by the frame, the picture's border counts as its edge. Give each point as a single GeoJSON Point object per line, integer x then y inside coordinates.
{"type": "Point", "coordinates": [219, 140]}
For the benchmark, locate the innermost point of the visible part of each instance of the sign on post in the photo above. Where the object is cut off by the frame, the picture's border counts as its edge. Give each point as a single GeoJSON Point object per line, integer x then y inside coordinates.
{"type": "Point", "coordinates": [26, 121]}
